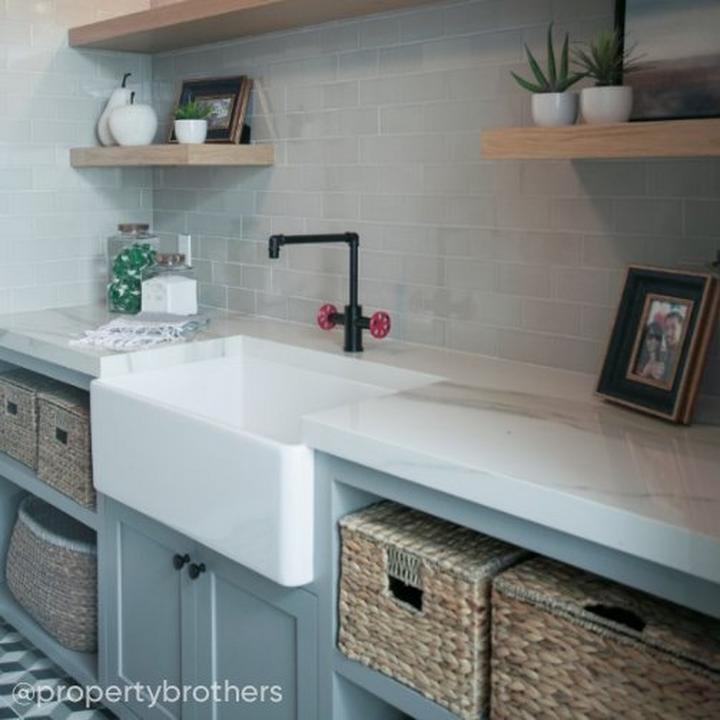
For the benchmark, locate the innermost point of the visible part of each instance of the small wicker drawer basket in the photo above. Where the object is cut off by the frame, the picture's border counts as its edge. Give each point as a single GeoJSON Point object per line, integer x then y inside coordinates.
{"type": "Point", "coordinates": [415, 602]}
{"type": "Point", "coordinates": [19, 391]}
{"type": "Point", "coordinates": [64, 455]}
{"type": "Point", "coordinates": [567, 645]}
{"type": "Point", "coordinates": [52, 572]}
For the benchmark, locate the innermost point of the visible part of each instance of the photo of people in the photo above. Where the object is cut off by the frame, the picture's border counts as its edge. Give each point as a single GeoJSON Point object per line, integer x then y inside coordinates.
{"type": "Point", "coordinates": [660, 341]}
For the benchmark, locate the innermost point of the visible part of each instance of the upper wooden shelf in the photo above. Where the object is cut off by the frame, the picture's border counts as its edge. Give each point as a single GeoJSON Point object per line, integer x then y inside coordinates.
{"type": "Point", "coordinates": [173, 155]}
{"type": "Point", "coordinates": [197, 22]}
{"type": "Point", "coordinates": [670, 138]}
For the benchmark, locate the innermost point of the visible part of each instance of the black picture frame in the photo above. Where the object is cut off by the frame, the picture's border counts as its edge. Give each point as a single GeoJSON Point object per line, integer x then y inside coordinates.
{"type": "Point", "coordinates": [668, 90]}
{"type": "Point", "coordinates": [233, 92]}
{"type": "Point", "coordinates": [665, 384]}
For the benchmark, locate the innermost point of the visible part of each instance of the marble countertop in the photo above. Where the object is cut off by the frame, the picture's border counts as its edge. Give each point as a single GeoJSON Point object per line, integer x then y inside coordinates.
{"type": "Point", "coordinates": [529, 441]}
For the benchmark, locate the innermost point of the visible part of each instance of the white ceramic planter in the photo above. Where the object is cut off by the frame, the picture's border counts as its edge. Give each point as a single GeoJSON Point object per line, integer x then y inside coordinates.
{"type": "Point", "coordinates": [602, 105]}
{"type": "Point", "coordinates": [133, 125]}
{"type": "Point", "coordinates": [554, 109]}
{"type": "Point", "coordinates": [191, 132]}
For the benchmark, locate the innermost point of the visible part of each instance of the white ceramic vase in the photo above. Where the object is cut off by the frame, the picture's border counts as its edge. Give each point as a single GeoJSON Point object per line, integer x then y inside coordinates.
{"type": "Point", "coordinates": [191, 132]}
{"type": "Point", "coordinates": [133, 125]}
{"type": "Point", "coordinates": [608, 104]}
{"type": "Point", "coordinates": [554, 109]}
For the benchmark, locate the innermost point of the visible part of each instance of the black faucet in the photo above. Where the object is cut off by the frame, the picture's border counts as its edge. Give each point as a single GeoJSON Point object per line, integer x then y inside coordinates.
{"type": "Point", "coordinates": [328, 316]}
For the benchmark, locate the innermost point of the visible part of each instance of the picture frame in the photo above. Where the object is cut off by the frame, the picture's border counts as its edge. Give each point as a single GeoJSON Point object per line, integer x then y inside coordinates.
{"type": "Point", "coordinates": [229, 97]}
{"type": "Point", "coordinates": [678, 70]}
{"type": "Point", "coordinates": [659, 342]}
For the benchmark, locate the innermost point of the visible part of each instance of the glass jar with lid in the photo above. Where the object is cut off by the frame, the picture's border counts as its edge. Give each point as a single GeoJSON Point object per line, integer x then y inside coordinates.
{"type": "Point", "coordinates": [129, 234]}
{"type": "Point", "coordinates": [169, 286]}
{"type": "Point", "coordinates": [129, 253]}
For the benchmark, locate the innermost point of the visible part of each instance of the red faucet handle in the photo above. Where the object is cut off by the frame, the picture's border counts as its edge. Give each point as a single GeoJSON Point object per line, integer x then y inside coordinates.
{"type": "Point", "coordinates": [380, 325]}
{"type": "Point", "coordinates": [324, 316]}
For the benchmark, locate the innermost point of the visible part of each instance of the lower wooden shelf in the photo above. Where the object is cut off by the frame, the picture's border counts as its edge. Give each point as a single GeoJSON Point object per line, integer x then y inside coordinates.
{"type": "Point", "coordinates": [400, 696]}
{"type": "Point", "coordinates": [83, 667]}
{"type": "Point", "coordinates": [207, 154]}
{"type": "Point", "coordinates": [665, 138]}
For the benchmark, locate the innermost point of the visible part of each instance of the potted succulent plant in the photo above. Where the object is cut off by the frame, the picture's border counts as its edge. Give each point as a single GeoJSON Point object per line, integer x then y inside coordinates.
{"type": "Point", "coordinates": [606, 61]}
{"type": "Point", "coordinates": [552, 104]}
{"type": "Point", "coordinates": [191, 124]}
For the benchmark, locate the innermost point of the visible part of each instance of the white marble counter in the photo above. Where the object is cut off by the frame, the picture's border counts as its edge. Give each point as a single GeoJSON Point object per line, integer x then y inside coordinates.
{"type": "Point", "coordinates": [592, 470]}
{"type": "Point", "coordinates": [529, 441]}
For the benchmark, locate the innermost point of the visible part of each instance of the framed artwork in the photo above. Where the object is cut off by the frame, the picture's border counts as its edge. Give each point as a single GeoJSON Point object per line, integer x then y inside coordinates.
{"type": "Point", "coordinates": [659, 342]}
{"type": "Point", "coordinates": [678, 47]}
{"type": "Point", "coordinates": [227, 99]}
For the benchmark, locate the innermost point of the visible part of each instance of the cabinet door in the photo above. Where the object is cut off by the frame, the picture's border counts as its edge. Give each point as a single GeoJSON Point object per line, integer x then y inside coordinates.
{"type": "Point", "coordinates": [146, 607]}
{"type": "Point", "coordinates": [256, 635]}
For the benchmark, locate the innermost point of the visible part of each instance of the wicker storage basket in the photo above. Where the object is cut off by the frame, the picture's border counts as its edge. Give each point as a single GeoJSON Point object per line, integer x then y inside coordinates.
{"type": "Point", "coordinates": [19, 391]}
{"type": "Point", "coordinates": [414, 602]}
{"type": "Point", "coordinates": [52, 572]}
{"type": "Point", "coordinates": [64, 457]}
{"type": "Point", "coordinates": [567, 645]}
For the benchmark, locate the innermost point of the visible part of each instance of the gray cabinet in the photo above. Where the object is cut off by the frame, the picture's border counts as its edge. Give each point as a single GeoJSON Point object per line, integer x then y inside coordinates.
{"type": "Point", "coordinates": [226, 633]}
{"type": "Point", "coordinates": [255, 634]}
{"type": "Point", "coordinates": [146, 606]}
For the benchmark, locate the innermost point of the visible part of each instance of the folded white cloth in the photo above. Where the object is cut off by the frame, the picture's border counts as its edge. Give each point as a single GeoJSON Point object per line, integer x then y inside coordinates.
{"type": "Point", "coordinates": [145, 330]}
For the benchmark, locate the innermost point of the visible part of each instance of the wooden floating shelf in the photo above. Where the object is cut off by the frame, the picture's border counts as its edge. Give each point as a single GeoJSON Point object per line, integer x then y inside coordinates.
{"type": "Point", "coordinates": [198, 22]}
{"type": "Point", "coordinates": [669, 138]}
{"type": "Point", "coordinates": [209, 154]}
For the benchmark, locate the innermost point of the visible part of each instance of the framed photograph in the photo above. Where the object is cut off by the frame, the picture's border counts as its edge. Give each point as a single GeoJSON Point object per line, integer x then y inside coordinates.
{"type": "Point", "coordinates": [659, 342]}
{"type": "Point", "coordinates": [678, 47]}
{"type": "Point", "coordinates": [227, 99]}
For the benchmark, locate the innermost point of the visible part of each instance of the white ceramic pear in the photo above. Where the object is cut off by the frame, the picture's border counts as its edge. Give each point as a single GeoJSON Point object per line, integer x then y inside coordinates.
{"type": "Point", "coordinates": [133, 124]}
{"type": "Point", "coordinates": [119, 98]}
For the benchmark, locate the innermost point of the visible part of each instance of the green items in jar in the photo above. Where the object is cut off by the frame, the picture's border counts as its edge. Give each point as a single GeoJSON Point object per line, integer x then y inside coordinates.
{"type": "Point", "coordinates": [125, 288]}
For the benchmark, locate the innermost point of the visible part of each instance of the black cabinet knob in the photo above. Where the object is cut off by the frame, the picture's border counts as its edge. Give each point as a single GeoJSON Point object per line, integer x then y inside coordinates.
{"type": "Point", "coordinates": [179, 561]}
{"type": "Point", "coordinates": [195, 570]}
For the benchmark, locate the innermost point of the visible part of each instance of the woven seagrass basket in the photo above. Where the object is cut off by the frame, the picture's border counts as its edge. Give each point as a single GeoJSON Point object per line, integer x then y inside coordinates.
{"type": "Point", "coordinates": [52, 572]}
{"type": "Point", "coordinates": [414, 602]}
{"type": "Point", "coordinates": [19, 391]}
{"type": "Point", "coordinates": [64, 454]}
{"type": "Point", "coordinates": [567, 645]}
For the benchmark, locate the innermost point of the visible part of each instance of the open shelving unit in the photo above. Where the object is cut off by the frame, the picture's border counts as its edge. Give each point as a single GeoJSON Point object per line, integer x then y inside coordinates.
{"type": "Point", "coordinates": [27, 480]}
{"type": "Point", "coordinates": [668, 138]}
{"type": "Point", "coordinates": [83, 667]}
{"type": "Point", "coordinates": [390, 691]}
{"type": "Point", "coordinates": [174, 155]}
{"type": "Point", "coordinates": [198, 22]}
{"type": "Point", "coordinates": [15, 480]}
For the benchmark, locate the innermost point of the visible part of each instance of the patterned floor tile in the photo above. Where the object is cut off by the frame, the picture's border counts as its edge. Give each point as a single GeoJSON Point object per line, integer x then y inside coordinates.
{"type": "Point", "coordinates": [21, 662]}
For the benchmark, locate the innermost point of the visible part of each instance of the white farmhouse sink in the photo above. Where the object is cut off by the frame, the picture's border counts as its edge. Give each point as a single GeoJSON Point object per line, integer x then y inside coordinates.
{"type": "Point", "coordinates": [213, 448]}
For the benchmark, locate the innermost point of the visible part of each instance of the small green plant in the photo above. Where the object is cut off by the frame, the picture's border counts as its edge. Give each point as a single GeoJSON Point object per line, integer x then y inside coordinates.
{"type": "Point", "coordinates": [554, 80]}
{"type": "Point", "coordinates": [605, 59]}
{"type": "Point", "coordinates": [193, 110]}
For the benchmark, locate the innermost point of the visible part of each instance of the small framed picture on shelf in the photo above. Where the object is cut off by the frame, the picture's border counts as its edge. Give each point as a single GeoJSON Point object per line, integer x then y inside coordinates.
{"type": "Point", "coordinates": [659, 342]}
{"type": "Point", "coordinates": [227, 98]}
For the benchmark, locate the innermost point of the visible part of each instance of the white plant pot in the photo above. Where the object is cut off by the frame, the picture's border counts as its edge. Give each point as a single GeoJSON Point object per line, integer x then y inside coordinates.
{"type": "Point", "coordinates": [191, 132]}
{"type": "Point", "coordinates": [554, 109]}
{"type": "Point", "coordinates": [602, 105]}
{"type": "Point", "coordinates": [133, 125]}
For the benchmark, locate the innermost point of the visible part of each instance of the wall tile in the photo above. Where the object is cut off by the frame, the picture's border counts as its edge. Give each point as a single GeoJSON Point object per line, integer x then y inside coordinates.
{"type": "Point", "coordinates": [377, 126]}
{"type": "Point", "coordinates": [54, 220]}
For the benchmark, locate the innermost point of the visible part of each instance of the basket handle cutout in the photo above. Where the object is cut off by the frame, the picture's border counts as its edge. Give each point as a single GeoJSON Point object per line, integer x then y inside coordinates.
{"type": "Point", "coordinates": [406, 594]}
{"type": "Point", "coordinates": [618, 615]}
{"type": "Point", "coordinates": [403, 574]}
{"type": "Point", "coordinates": [61, 435]}
{"type": "Point", "coordinates": [12, 408]}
